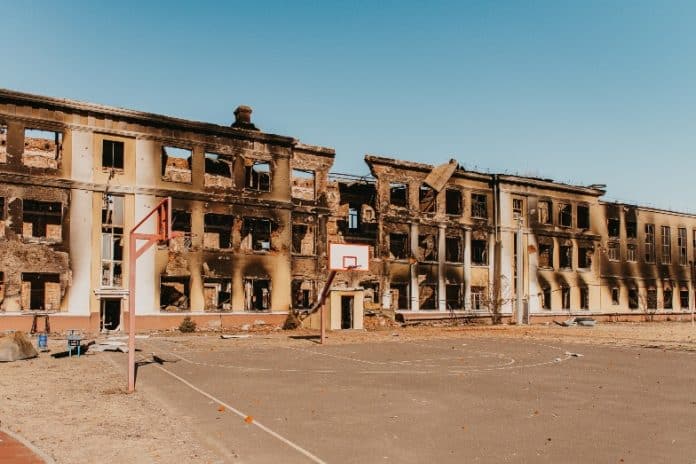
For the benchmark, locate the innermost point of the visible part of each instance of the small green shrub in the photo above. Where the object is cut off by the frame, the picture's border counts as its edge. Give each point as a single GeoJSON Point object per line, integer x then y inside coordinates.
{"type": "Point", "coordinates": [187, 325]}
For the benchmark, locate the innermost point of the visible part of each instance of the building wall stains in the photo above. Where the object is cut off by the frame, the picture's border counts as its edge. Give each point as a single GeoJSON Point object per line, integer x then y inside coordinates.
{"type": "Point", "coordinates": [256, 212]}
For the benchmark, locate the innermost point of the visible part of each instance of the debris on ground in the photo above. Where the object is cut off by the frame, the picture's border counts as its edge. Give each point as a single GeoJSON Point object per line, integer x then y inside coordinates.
{"type": "Point", "coordinates": [581, 321]}
{"type": "Point", "coordinates": [110, 345]}
{"type": "Point", "coordinates": [227, 337]}
{"type": "Point", "coordinates": [15, 347]}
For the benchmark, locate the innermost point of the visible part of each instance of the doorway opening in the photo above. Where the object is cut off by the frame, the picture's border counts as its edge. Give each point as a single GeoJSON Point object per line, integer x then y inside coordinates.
{"type": "Point", "coordinates": [346, 312]}
{"type": "Point", "coordinates": [110, 317]}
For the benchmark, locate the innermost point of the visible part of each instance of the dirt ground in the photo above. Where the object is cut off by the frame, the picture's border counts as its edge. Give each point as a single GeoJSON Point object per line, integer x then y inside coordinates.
{"type": "Point", "coordinates": [75, 409]}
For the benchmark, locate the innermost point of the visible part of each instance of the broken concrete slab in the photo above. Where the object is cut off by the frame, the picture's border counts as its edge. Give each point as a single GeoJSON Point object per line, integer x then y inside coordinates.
{"type": "Point", "coordinates": [438, 177]}
{"type": "Point", "coordinates": [15, 347]}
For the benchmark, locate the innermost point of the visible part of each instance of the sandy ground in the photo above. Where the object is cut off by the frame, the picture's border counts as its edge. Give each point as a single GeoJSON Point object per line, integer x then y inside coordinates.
{"type": "Point", "coordinates": [76, 409]}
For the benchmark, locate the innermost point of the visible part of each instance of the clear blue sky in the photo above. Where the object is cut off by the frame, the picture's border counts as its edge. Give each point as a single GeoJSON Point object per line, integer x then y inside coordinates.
{"type": "Point", "coordinates": [581, 91]}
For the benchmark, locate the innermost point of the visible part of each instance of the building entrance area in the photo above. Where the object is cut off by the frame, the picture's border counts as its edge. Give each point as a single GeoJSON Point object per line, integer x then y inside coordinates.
{"type": "Point", "coordinates": [110, 314]}
{"type": "Point", "coordinates": [347, 312]}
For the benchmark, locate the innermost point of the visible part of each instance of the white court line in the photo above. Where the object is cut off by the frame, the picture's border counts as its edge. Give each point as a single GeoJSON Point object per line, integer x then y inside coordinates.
{"type": "Point", "coordinates": [296, 447]}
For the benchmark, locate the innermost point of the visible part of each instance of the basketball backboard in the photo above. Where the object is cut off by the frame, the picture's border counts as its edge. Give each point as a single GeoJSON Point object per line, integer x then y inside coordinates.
{"type": "Point", "coordinates": [348, 257]}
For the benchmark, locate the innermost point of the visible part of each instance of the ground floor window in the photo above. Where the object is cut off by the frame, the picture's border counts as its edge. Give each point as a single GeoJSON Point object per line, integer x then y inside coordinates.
{"type": "Point", "coordinates": [453, 296]}
{"type": "Point", "coordinates": [257, 294]}
{"type": "Point", "coordinates": [217, 294]}
{"type": "Point", "coordinates": [651, 302]}
{"type": "Point", "coordinates": [565, 297]}
{"type": "Point", "coordinates": [400, 295]}
{"type": "Point", "coordinates": [477, 298]}
{"type": "Point", "coordinates": [667, 298]}
{"type": "Point", "coordinates": [174, 293]}
{"type": "Point", "coordinates": [427, 295]}
{"type": "Point", "coordinates": [40, 291]}
{"type": "Point", "coordinates": [633, 298]}
{"type": "Point", "coordinates": [684, 299]}
{"type": "Point", "coordinates": [584, 298]}
{"type": "Point", "coordinates": [546, 297]}
{"type": "Point", "coordinates": [302, 294]}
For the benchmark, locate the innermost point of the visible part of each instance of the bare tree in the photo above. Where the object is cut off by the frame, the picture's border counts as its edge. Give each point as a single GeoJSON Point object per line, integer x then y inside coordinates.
{"type": "Point", "coordinates": [495, 297]}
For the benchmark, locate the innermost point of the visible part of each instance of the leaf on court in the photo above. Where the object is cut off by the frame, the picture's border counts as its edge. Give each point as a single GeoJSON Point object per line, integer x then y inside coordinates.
{"type": "Point", "coordinates": [221, 409]}
{"type": "Point", "coordinates": [248, 419]}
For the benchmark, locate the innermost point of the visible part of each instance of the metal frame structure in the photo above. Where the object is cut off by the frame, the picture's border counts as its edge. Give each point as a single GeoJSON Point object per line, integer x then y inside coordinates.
{"type": "Point", "coordinates": [163, 232]}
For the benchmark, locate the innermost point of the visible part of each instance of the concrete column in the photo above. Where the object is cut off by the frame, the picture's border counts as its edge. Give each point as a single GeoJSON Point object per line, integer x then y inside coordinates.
{"type": "Point", "coordinates": [195, 259]}
{"type": "Point", "coordinates": [467, 269]}
{"type": "Point", "coordinates": [147, 282]}
{"type": "Point", "coordinates": [441, 284]}
{"type": "Point", "coordinates": [148, 168]}
{"type": "Point", "coordinates": [81, 218]}
{"type": "Point", "coordinates": [415, 290]}
{"type": "Point", "coordinates": [533, 265]}
{"type": "Point", "coordinates": [82, 156]}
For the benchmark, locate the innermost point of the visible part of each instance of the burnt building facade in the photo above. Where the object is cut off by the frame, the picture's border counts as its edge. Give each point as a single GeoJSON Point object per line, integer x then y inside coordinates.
{"type": "Point", "coordinates": [255, 212]}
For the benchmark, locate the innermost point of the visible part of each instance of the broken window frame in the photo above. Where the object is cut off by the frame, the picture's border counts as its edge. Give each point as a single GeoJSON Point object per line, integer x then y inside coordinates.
{"type": "Point", "coordinates": [430, 303]}
{"type": "Point", "coordinates": [257, 234]}
{"type": "Point", "coordinates": [667, 298]}
{"type": "Point", "coordinates": [395, 198]}
{"type": "Point", "coordinates": [453, 249]}
{"type": "Point", "coordinates": [613, 251]}
{"type": "Point", "coordinates": [454, 201]}
{"type": "Point", "coordinates": [214, 223]}
{"type": "Point", "coordinates": [115, 160]}
{"type": "Point", "coordinates": [517, 208]}
{"type": "Point", "coordinates": [478, 298]}
{"type": "Point", "coordinates": [684, 298]}
{"type": "Point", "coordinates": [223, 296]}
{"type": "Point", "coordinates": [304, 174]}
{"type": "Point", "coordinates": [633, 298]}
{"type": "Point", "coordinates": [427, 199]}
{"type": "Point", "coordinates": [615, 296]}
{"type": "Point", "coordinates": [479, 205]}
{"type": "Point", "coordinates": [176, 152]}
{"type": "Point", "coordinates": [681, 243]}
{"type": "Point", "coordinates": [257, 179]}
{"type": "Point", "coordinates": [583, 216]}
{"type": "Point", "coordinates": [404, 251]}
{"type": "Point", "coordinates": [584, 297]}
{"type": "Point", "coordinates": [649, 243]}
{"type": "Point", "coordinates": [546, 297]}
{"type": "Point", "coordinates": [631, 253]}
{"type": "Point", "coordinates": [545, 212]}
{"type": "Point", "coordinates": [43, 278]}
{"type": "Point", "coordinates": [651, 299]}
{"type": "Point", "coordinates": [252, 303]}
{"type": "Point", "coordinates": [565, 257]}
{"type": "Point", "coordinates": [666, 245]}
{"type": "Point", "coordinates": [565, 215]}
{"type": "Point", "coordinates": [302, 298]}
{"type": "Point", "coordinates": [631, 229]}
{"type": "Point", "coordinates": [184, 301]}
{"type": "Point", "coordinates": [432, 256]}
{"type": "Point", "coordinates": [403, 300]}
{"type": "Point", "coordinates": [3, 143]}
{"type": "Point", "coordinates": [297, 242]}
{"type": "Point", "coordinates": [545, 249]}
{"type": "Point", "coordinates": [112, 239]}
{"type": "Point", "coordinates": [40, 219]}
{"type": "Point", "coordinates": [453, 296]}
{"type": "Point", "coordinates": [57, 140]}
{"type": "Point", "coordinates": [211, 163]}
{"type": "Point", "coordinates": [479, 252]}
{"type": "Point", "coordinates": [565, 297]}
{"type": "Point", "coordinates": [613, 227]}
{"type": "Point", "coordinates": [585, 257]}
{"type": "Point", "coordinates": [353, 219]}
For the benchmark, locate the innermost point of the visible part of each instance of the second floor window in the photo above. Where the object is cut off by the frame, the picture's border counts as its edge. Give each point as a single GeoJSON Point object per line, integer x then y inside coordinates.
{"type": "Point", "coordinates": [666, 245]}
{"type": "Point", "coordinates": [565, 215]}
{"type": "Point", "coordinates": [649, 243]}
{"type": "Point", "coordinates": [112, 154]}
{"type": "Point", "coordinates": [479, 206]}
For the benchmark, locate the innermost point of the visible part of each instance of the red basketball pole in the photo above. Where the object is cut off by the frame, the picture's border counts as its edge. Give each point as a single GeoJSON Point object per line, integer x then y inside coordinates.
{"type": "Point", "coordinates": [164, 232]}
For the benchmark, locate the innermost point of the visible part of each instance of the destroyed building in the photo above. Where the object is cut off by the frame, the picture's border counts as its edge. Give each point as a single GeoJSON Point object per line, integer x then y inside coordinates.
{"type": "Point", "coordinates": [254, 213]}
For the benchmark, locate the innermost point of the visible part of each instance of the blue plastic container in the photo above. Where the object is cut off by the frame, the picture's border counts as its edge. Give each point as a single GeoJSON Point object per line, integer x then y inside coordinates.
{"type": "Point", "coordinates": [43, 341]}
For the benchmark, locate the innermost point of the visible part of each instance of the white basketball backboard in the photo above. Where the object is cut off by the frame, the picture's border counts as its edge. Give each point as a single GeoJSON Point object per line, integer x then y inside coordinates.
{"type": "Point", "coordinates": [348, 257]}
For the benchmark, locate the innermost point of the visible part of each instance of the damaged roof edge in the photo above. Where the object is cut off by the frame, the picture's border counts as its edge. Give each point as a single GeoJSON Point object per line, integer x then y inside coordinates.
{"type": "Point", "coordinates": [139, 117]}
{"type": "Point", "coordinates": [648, 209]}
{"type": "Point", "coordinates": [315, 149]}
{"type": "Point", "coordinates": [373, 159]}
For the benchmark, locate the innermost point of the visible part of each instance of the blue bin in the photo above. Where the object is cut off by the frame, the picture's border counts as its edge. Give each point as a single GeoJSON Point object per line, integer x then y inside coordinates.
{"type": "Point", "coordinates": [43, 341]}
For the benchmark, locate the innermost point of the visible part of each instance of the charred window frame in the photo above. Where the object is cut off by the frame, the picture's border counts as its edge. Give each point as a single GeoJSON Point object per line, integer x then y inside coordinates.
{"type": "Point", "coordinates": [681, 242]}
{"type": "Point", "coordinates": [479, 252]}
{"type": "Point", "coordinates": [257, 176]}
{"type": "Point", "coordinates": [303, 184]}
{"type": "Point", "coordinates": [649, 243]}
{"type": "Point", "coordinates": [651, 299]}
{"type": "Point", "coordinates": [613, 251]}
{"type": "Point", "coordinates": [174, 293]}
{"type": "Point", "coordinates": [217, 294]}
{"type": "Point", "coordinates": [181, 221]}
{"type": "Point", "coordinates": [565, 297]}
{"type": "Point", "coordinates": [112, 241]}
{"type": "Point", "coordinates": [353, 219]}
{"type": "Point", "coordinates": [478, 298]}
{"type": "Point", "coordinates": [47, 144]}
{"type": "Point", "coordinates": [565, 257]}
{"type": "Point", "coordinates": [399, 246]}
{"type": "Point", "coordinates": [546, 255]}
{"type": "Point", "coordinates": [633, 298]}
{"type": "Point", "coordinates": [614, 227]}
{"type": "Point", "coordinates": [218, 230]}
{"type": "Point", "coordinates": [41, 291]}
{"type": "Point", "coordinates": [398, 194]}
{"type": "Point", "coordinates": [584, 298]}
{"type": "Point", "coordinates": [112, 154]}
{"type": "Point", "coordinates": [666, 245]}
{"type": "Point", "coordinates": [631, 228]}
{"type": "Point", "coordinates": [585, 255]}
{"type": "Point", "coordinates": [517, 208]}
{"type": "Point", "coordinates": [583, 217]}
{"type": "Point", "coordinates": [400, 294]}
{"type": "Point", "coordinates": [667, 298]}
{"type": "Point", "coordinates": [302, 293]}
{"type": "Point", "coordinates": [453, 202]}
{"type": "Point", "coordinates": [565, 215]}
{"type": "Point", "coordinates": [303, 242]}
{"type": "Point", "coordinates": [257, 294]}
{"type": "Point", "coordinates": [3, 143]}
{"type": "Point", "coordinates": [218, 166]}
{"type": "Point", "coordinates": [257, 233]}
{"type": "Point", "coordinates": [545, 207]}
{"type": "Point", "coordinates": [427, 198]}
{"type": "Point", "coordinates": [427, 296]}
{"type": "Point", "coordinates": [2, 209]}
{"type": "Point", "coordinates": [453, 296]}
{"type": "Point", "coordinates": [42, 219]}
{"type": "Point", "coordinates": [546, 297]}
{"type": "Point", "coordinates": [176, 164]}
{"type": "Point", "coordinates": [631, 255]}
{"type": "Point", "coordinates": [684, 298]}
{"type": "Point", "coordinates": [453, 249]}
{"type": "Point", "coordinates": [615, 294]}
{"type": "Point", "coordinates": [427, 247]}
{"type": "Point", "coordinates": [479, 205]}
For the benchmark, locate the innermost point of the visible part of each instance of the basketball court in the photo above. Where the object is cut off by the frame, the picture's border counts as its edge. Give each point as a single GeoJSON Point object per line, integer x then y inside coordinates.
{"type": "Point", "coordinates": [461, 399]}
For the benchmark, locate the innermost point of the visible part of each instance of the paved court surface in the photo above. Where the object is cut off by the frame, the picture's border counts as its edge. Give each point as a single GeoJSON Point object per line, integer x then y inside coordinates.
{"type": "Point", "coordinates": [13, 451]}
{"type": "Point", "coordinates": [434, 401]}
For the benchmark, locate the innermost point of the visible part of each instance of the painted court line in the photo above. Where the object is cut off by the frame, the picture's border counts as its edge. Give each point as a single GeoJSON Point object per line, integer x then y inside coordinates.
{"type": "Point", "coordinates": [295, 446]}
